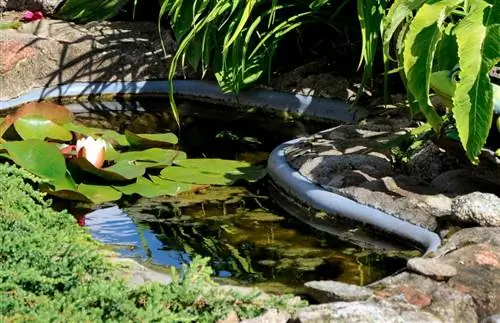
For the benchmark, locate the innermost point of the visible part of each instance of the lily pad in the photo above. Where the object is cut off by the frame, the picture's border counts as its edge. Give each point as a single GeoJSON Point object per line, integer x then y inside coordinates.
{"type": "Point", "coordinates": [120, 171]}
{"type": "Point", "coordinates": [81, 129]}
{"type": "Point", "coordinates": [39, 157]}
{"type": "Point", "coordinates": [154, 139]}
{"type": "Point", "coordinates": [153, 157]}
{"type": "Point", "coordinates": [99, 193]}
{"type": "Point", "coordinates": [115, 138]}
{"type": "Point", "coordinates": [172, 188]}
{"type": "Point", "coordinates": [195, 176]}
{"type": "Point", "coordinates": [37, 127]}
{"type": "Point", "coordinates": [147, 188]}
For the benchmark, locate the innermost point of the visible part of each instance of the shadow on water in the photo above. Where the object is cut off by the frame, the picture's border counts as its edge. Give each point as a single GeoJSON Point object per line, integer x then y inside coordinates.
{"type": "Point", "coordinates": [249, 239]}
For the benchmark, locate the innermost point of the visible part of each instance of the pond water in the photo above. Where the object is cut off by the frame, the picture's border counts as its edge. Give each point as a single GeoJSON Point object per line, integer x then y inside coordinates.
{"type": "Point", "coordinates": [249, 239]}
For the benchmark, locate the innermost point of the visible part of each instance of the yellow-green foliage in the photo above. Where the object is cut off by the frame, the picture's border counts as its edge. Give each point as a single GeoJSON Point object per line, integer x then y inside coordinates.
{"type": "Point", "coordinates": [51, 270]}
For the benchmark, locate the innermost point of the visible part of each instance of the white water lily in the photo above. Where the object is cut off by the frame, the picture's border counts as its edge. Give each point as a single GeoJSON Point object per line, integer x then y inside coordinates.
{"type": "Point", "coordinates": [92, 149]}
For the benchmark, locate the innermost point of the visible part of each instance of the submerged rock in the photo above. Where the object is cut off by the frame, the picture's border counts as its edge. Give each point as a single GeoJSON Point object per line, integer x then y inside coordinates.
{"type": "Point", "coordinates": [477, 207]}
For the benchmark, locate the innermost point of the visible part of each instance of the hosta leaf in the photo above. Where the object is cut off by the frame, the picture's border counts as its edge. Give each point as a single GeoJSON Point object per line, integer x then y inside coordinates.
{"type": "Point", "coordinates": [39, 157]}
{"type": "Point", "coordinates": [155, 139]}
{"type": "Point", "coordinates": [419, 48]}
{"type": "Point", "coordinates": [120, 171]}
{"type": "Point", "coordinates": [478, 37]}
{"type": "Point", "coordinates": [36, 127]}
{"type": "Point", "coordinates": [147, 188]}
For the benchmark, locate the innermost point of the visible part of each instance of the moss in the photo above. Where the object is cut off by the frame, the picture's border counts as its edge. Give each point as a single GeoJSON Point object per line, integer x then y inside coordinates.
{"type": "Point", "coordinates": [53, 271]}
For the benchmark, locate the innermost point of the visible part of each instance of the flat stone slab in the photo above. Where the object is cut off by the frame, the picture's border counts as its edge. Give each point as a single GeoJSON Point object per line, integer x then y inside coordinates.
{"type": "Point", "coordinates": [50, 52]}
{"type": "Point", "coordinates": [330, 291]}
{"type": "Point", "coordinates": [431, 268]}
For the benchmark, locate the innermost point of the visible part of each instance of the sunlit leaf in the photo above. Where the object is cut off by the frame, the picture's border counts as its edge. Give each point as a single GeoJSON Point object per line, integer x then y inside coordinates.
{"type": "Point", "coordinates": [118, 172]}
{"type": "Point", "coordinates": [99, 193]}
{"type": "Point", "coordinates": [153, 157]}
{"type": "Point", "coordinates": [147, 188]}
{"type": "Point", "coordinates": [36, 127]}
{"type": "Point", "coordinates": [81, 129]}
{"type": "Point", "coordinates": [237, 169]}
{"type": "Point", "coordinates": [115, 138]}
{"type": "Point", "coordinates": [84, 11]}
{"type": "Point", "coordinates": [172, 188]}
{"type": "Point", "coordinates": [39, 157]}
{"type": "Point", "coordinates": [478, 37]}
{"type": "Point", "coordinates": [155, 139]}
{"type": "Point", "coordinates": [196, 176]}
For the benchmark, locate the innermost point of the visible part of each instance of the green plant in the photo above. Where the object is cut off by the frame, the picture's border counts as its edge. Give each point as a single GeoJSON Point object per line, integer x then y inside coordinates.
{"type": "Point", "coordinates": [40, 136]}
{"type": "Point", "coordinates": [434, 35]}
{"type": "Point", "coordinates": [53, 271]}
{"type": "Point", "coordinates": [237, 39]}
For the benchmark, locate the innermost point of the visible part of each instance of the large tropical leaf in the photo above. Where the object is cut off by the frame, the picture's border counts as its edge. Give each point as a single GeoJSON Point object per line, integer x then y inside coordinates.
{"type": "Point", "coordinates": [418, 53]}
{"type": "Point", "coordinates": [478, 37]}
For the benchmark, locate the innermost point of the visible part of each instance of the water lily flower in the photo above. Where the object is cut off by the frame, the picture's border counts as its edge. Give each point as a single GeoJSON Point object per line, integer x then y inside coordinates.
{"type": "Point", "coordinates": [28, 16]}
{"type": "Point", "coordinates": [91, 149]}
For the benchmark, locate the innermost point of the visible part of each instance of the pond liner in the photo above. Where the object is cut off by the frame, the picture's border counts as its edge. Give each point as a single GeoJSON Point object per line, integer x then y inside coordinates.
{"type": "Point", "coordinates": [309, 193]}
{"type": "Point", "coordinates": [297, 104]}
{"type": "Point", "coordinates": [287, 178]}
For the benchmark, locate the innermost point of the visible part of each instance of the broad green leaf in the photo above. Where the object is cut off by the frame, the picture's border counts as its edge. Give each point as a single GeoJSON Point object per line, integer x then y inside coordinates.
{"type": "Point", "coordinates": [39, 157]}
{"type": "Point", "coordinates": [419, 48]}
{"type": "Point", "coordinates": [147, 188]}
{"type": "Point", "coordinates": [115, 138]}
{"type": "Point", "coordinates": [153, 157]}
{"type": "Point", "coordinates": [120, 171]}
{"type": "Point", "coordinates": [196, 176]}
{"type": "Point", "coordinates": [54, 112]}
{"type": "Point", "coordinates": [81, 129]}
{"type": "Point", "coordinates": [478, 37]}
{"type": "Point", "coordinates": [172, 188]}
{"type": "Point", "coordinates": [111, 153]}
{"type": "Point", "coordinates": [99, 193]}
{"type": "Point", "coordinates": [36, 127]}
{"type": "Point", "coordinates": [447, 50]}
{"type": "Point", "coordinates": [155, 139]}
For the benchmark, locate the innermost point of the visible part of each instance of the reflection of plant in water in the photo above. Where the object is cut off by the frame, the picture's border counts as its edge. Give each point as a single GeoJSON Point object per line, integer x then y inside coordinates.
{"type": "Point", "coordinates": [105, 164]}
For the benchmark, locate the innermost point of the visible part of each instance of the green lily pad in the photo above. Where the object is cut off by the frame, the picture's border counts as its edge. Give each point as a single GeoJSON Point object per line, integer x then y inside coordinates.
{"type": "Point", "coordinates": [99, 193]}
{"type": "Point", "coordinates": [115, 138]}
{"type": "Point", "coordinates": [195, 176]}
{"type": "Point", "coordinates": [153, 157]}
{"type": "Point", "coordinates": [111, 153]}
{"type": "Point", "coordinates": [120, 171]}
{"type": "Point", "coordinates": [154, 139]}
{"type": "Point", "coordinates": [39, 157]}
{"type": "Point", "coordinates": [37, 127]}
{"type": "Point", "coordinates": [81, 129]}
{"type": "Point", "coordinates": [172, 188]}
{"type": "Point", "coordinates": [147, 188]}
{"type": "Point", "coordinates": [231, 169]}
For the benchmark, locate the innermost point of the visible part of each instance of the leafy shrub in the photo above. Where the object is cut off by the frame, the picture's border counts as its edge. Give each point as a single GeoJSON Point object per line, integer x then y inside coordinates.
{"type": "Point", "coordinates": [434, 35]}
{"type": "Point", "coordinates": [53, 271]}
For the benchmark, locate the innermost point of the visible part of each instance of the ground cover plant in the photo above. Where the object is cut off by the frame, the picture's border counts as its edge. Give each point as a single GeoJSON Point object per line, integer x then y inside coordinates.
{"type": "Point", "coordinates": [53, 271]}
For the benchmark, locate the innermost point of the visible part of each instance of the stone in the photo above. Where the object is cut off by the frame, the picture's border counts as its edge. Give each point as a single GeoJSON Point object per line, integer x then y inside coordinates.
{"type": "Point", "coordinates": [460, 182]}
{"type": "Point", "coordinates": [270, 316]}
{"type": "Point", "coordinates": [477, 207]}
{"type": "Point", "coordinates": [367, 311]}
{"type": "Point", "coordinates": [328, 291]}
{"type": "Point", "coordinates": [47, 6]}
{"type": "Point", "coordinates": [451, 305]}
{"type": "Point", "coordinates": [428, 162]}
{"type": "Point", "coordinates": [136, 274]}
{"type": "Point", "coordinates": [57, 52]}
{"type": "Point", "coordinates": [232, 317]}
{"type": "Point", "coordinates": [469, 236]}
{"type": "Point", "coordinates": [431, 268]}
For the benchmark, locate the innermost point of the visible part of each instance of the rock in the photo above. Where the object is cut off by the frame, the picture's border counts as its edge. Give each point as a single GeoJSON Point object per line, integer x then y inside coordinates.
{"type": "Point", "coordinates": [469, 236]}
{"type": "Point", "coordinates": [56, 52]}
{"type": "Point", "coordinates": [478, 275]}
{"type": "Point", "coordinates": [368, 311]}
{"type": "Point", "coordinates": [431, 268]}
{"type": "Point", "coordinates": [492, 319]}
{"type": "Point", "coordinates": [460, 182]}
{"type": "Point", "coordinates": [328, 291]}
{"type": "Point", "coordinates": [451, 305]}
{"type": "Point", "coordinates": [137, 275]}
{"type": "Point", "coordinates": [477, 207]}
{"type": "Point", "coordinates": [232, 317]}
{"type": "Point", "coordinates": [428, 162]}
{"type": "Point", "coordinates": [47, 6]}
{"type": "Point", "coordinates": [270, 316]}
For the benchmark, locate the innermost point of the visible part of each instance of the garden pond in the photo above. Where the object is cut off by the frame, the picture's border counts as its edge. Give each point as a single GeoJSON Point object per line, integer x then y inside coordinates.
{"type": "Point", "coordinates": [249, 239]}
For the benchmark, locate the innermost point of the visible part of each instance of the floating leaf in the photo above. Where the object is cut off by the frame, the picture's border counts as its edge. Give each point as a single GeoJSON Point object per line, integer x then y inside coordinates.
{"type": "Point", "coordinates": [172, 188]}
{"type": "Point", "coordinates": [36, 127]}
{"type": "Point", "coordinates": [115, 138]}
{"type": "Point", "coordinates": [154, 139]}
{"type": "Point", "coordinates": [153, 157]}
{"type": "Point", "coordinates": [99, 193]}
{"type": "Point", "coordinates": [81, 129]}
{"type": "Point", "coordinates": [54, 112]}
{"type": "Point", "coordinates": [39, 157]}
{"type": "Point", "coordinates": [147, 188]}
{"type": "Point", "coordinates": [231, 168]}
{"type": "Point", "coordinates": [118, 172]}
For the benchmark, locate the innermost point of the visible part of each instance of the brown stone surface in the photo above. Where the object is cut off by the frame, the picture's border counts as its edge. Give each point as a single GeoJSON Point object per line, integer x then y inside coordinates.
{"type": "Point", "coordinates": [12, 52]}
